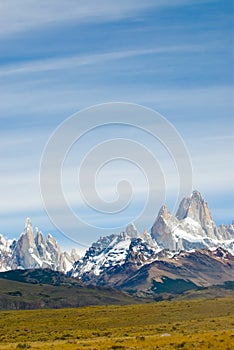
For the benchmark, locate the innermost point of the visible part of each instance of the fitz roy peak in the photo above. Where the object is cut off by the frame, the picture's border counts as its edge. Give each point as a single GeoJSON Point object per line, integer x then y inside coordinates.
{"type": "Point", "coordinates": [32, 250]}
{"type": "Point", "coordinates": [124, 260]}
{"type": "Point", "coordinates": [191, 228]}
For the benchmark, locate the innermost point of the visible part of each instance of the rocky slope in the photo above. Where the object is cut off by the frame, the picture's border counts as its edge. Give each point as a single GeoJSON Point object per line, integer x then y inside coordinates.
{"type": "Point", "coordinates": [33, 250]}
{"type": "Point", "coordinates": [184, 271]}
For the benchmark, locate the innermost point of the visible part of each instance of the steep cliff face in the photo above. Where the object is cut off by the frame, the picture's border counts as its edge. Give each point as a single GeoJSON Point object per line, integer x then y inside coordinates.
{"type": "Point", "coordinates": [25, 252]}
{"type": "Point", "coordinates": [197, 209]}
{"type": "Point", "coordinates": [162, 230]}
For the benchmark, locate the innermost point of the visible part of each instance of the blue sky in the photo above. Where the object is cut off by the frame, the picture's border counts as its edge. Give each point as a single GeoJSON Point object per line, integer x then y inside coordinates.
{"type": "Point", "coordinates": [58, 57]}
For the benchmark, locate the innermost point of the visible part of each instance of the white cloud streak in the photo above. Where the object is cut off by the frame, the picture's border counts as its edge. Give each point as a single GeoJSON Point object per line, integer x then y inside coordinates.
{"type": "Point", "coordinates": [28, 15]}
{"type": "Point", "coordinates": [38, 14]}
{"type": "Point", "coordinates": [72, 62]}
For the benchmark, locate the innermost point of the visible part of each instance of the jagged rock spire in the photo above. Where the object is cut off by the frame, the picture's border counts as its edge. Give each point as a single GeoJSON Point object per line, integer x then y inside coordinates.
{"type": "Point", "coordinates": [162, 230]}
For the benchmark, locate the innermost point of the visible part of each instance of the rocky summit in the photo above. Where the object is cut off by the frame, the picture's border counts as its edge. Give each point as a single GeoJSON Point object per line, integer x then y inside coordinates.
{"type": "Point", "coordinates": [33, 250]}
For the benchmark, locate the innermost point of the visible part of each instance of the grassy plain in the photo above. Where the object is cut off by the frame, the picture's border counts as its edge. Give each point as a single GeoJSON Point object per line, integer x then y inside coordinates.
{"type": "Point", "coordinates": [194, 324]}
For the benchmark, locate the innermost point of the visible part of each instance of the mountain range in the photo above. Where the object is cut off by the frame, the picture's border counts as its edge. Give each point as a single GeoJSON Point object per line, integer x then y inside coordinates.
{"type": "Point", "coordinates": [181, 252]}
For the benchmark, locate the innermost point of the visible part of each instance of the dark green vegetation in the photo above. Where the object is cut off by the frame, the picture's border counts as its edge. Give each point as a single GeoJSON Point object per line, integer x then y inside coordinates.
{"type": "Point", "coordinates": [197, 324]}
{"type": "Point", "coordinates": [35, 289]}
{"type": "Point", "coordinates": [173, 286]}
{"type": "Point", "coordinates": [45, 276]}
{"type": "Point", "coordinates": [180, 289]}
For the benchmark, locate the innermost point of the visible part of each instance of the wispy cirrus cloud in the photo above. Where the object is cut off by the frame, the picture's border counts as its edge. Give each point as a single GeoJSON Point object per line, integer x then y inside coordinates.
{"type": "Point", "coordinates": [29, 15]}
{"type": "Point", "coordinates": [33, 15]}
{"type": "Point", "coordinates": [72, 62]}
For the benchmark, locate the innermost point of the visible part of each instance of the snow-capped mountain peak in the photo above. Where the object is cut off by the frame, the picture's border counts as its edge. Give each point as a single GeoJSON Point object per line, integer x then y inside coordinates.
{"type": "Point", "coordinates": [192, 228]}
